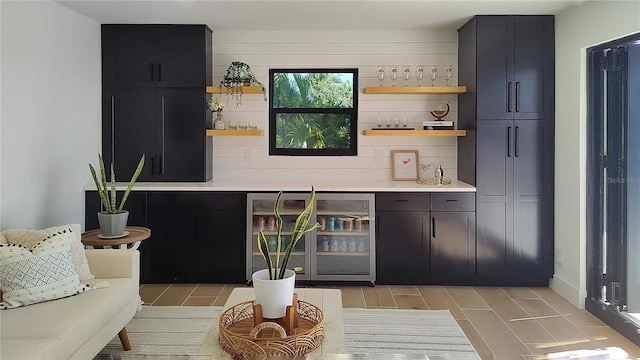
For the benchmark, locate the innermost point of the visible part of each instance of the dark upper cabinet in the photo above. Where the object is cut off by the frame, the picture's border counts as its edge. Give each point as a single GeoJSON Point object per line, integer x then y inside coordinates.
{"type": "Point", "coordinates": [156, 55]}
{"type": "Point", "coordinates": [154, 101]}
{"type": "Point", "coordinates": [509, 60]}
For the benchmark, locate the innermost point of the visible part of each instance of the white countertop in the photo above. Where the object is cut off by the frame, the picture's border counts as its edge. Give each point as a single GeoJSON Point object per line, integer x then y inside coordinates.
{"type": "Point", "coordinates": [297, 185]}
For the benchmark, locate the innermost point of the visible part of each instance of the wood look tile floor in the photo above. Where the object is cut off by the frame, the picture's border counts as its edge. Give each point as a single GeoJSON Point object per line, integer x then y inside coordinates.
{"type": "Point", "coordinates": [501, 323]}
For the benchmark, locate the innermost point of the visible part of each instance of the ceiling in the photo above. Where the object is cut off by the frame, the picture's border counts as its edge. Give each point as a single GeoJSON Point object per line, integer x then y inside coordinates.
{"type": "Point", "coordinates": [300, 15]}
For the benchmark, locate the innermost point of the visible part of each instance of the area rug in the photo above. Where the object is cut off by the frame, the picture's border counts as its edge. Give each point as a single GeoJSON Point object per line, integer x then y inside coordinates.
{"type": "Point", "coordinates": [177, 332]}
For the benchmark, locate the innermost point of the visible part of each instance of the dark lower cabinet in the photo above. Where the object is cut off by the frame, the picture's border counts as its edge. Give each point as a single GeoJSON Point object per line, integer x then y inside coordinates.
{"type": "Point", "coordinates": [453, 239]}
{"type": "Point", "coordinates": [196, 237]}
{"type": "Point", "coordinates": [402, 238]}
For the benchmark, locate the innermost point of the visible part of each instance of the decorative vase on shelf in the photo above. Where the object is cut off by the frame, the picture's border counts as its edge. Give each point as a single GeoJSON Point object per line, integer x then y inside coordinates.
{"type": "Point", "coordinates": [218, 123]}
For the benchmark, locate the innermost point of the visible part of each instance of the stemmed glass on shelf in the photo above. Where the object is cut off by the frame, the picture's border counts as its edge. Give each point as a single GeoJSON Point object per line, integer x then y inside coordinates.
{"type": "Point", "coordinates": [407, 74]}
{"type": "Point", "coordinates": [394, 75]}
{"type": "Point", "coordinates": [449, 74]}
{"type": "Point", "coordinates": [434, 74]}
{"type": "Point", "coordinates": [420, 74]}
{"type": "Point", "coordinates": [380, 74]}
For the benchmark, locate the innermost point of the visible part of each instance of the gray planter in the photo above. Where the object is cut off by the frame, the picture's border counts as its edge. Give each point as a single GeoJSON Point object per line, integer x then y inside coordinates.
{"type": "Point", "coordinates": [112, 224]}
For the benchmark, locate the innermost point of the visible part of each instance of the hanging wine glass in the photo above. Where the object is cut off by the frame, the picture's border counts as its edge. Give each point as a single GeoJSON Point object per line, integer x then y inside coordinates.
{"type": "Point", "coordinates": [420, 74]}
{"type": "Point", "coordinates": [449, 74]}
{"type": "Point", "coordinates": [407, 74]}
{"type": "Point", "coordinates": [394, 75]}
{"type": "Point", "coordinates": [434, 74]}
{"type": "Point", "coordinates": [380, 74]}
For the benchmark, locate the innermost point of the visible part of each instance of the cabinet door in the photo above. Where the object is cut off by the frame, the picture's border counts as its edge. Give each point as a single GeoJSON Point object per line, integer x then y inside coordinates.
{"type": "Point", "coordinates": [453, 247]}
{"type": "Point", "coordinates": [530, 249]}
{"type": "Point", "coordinates": [402, 247]}
{"type": "Point", "coordinates": [494, 61]}
{"type": "Point", "coordinates": [181, 139]}
{"type": "Point", "coordinates": [533, 67]}
{"type": "Point", "coordinates": [494, 193]}
{"type": "Point", "coordinates": [128, 56]}
{"type": "Point", "coordinates": [221, 246]}
{"type": "Point", "coordinates": [128, 131]}
{"type": "Point", "coordinates": [181, 57]}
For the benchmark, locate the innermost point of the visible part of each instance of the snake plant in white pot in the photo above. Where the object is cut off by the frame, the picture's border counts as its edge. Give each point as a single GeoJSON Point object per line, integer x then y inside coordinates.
{"type": "Point", "coordinates": [113, 220]}
{"type": "Point", "coordinates": [274, 285]}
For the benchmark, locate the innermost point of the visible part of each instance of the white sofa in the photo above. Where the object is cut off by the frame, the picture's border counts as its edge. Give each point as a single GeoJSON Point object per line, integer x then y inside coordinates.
{"type": "Point", "coordinates": [77, 327]}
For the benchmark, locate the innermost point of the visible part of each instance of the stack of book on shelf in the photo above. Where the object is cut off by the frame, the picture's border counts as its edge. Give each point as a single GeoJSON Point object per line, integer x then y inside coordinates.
{"type": "Point", "coordinates": [437, 125]}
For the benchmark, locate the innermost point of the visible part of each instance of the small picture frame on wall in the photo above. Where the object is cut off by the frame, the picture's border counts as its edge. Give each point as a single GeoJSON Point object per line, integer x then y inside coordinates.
{"type": "Point", "coordinates": [404, 165]}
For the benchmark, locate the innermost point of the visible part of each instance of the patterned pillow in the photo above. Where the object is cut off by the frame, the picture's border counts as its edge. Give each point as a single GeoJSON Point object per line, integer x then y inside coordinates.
{"type": "Point", "coordinates": [28, 238]}
{"type": "Point", "coordinates": [46, 272]}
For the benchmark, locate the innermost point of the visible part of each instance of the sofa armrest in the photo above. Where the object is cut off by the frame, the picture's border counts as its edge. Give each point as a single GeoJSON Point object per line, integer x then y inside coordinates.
{"type": "Point", "coordinates": [114, 263]}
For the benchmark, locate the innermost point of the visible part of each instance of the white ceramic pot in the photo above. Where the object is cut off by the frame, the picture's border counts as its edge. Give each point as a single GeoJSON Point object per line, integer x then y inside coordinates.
{"type": "Point", "coordinates": [273, 295]}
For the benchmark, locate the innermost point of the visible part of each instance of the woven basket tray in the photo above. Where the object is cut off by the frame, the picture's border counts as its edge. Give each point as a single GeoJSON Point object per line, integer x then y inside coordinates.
{"type": "Point", "coordinates": [236, 324]}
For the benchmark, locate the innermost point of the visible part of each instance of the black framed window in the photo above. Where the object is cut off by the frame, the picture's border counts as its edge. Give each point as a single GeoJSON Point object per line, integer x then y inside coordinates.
{"type": "Point", "coordinates": [313, 112]}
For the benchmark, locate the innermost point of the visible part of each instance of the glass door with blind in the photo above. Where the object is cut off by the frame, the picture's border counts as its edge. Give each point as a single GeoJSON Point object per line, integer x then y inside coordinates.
{"type": "Point", "coordinates": [613, 185]}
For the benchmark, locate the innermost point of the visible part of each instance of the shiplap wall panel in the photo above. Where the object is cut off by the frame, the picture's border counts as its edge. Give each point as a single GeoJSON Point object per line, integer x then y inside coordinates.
{"type": "Point", "coordinates": [248, 157]}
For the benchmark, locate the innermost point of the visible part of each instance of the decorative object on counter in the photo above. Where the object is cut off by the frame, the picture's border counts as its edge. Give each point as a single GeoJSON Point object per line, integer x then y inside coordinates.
{"type": "Point", "coordinates": [404, 164]}
{"type": "Point", "coordinates": [274, 285]}
{"type": "Point", "coordinates": [238, 75]}
{"type": "Point", "coordinates": [437, 179]}
{"type": "Point", "coordinates": [440, 111]}
{"type": "Point", "coordinates": [216, 104]}
{"type": "Point", "coordinates": [112, 219]}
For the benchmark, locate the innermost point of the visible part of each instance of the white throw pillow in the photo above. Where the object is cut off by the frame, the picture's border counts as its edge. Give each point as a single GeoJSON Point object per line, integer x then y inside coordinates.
{"type": "Point", "coordinates": [28, 238]}
{"type": "Point", "coordinates": [45, 272]}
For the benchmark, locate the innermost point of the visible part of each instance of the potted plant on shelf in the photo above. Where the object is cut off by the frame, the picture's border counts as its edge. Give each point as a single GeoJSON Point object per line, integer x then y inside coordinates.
{"type": "Point", "coordinates": [113, 220]}
{"type": "Point", "coordinates": [274, 285]}
{"type": "Point", "coordinates": [239, 74]}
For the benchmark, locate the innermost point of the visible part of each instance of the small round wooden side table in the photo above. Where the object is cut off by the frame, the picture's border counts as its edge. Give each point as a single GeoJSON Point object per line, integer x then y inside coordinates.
{"type": "Point", "coordinates": [136, 234]}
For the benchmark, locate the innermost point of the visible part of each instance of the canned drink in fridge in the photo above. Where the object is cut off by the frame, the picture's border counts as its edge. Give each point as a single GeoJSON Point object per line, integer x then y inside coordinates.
{"type": "Point", "coordinates": [360, 246]}
{"type": "Point", "coordinates": [353, 247]}
{"type": "Point", "coordinates": [348, 225]}
{"type": "Point", "coordinates": [272, 223]}
{"type": "Point", "coordinates": [323, 223]}
{"type": "Point", "coordinates": [324, 244]}
{"type": "Point", "coordinates": [261, 222]}
{"type": "Point", "coordinates": [344, 245]}
{"type": "Point", "coordinates": [335, 245]}
{"type": "Point", "coordinates": [358, 225]}
{"type": "Point", "coordinates": [331, 224]}
{"type": "Point", "coordinates": [340, 225]}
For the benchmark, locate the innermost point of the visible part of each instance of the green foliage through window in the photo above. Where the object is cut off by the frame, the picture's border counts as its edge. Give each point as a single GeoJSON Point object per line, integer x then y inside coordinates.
{"type": "Point", "coordinates": [313, 111]}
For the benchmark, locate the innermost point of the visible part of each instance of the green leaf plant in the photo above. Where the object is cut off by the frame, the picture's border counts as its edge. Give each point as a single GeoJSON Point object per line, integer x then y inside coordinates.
{"type": "Point", "coordinates": [278, 262]}
{"type": "Point", "coordinates": [108, 195]}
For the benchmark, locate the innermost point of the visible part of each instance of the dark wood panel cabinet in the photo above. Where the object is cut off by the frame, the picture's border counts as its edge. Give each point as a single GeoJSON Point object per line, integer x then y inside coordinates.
{"type": "Point", "coordinates": [509, 155]}
{"type": "Point", "coordinates": [156, 55]}
{"type": "Point", "coordinates": [516, 55]}
{"type": "Point", "coordinates": [154, 101]}
{"type": "Point", "coordinates": [453, 239]}
{"type": "Point", "coordinates": [196, 237]}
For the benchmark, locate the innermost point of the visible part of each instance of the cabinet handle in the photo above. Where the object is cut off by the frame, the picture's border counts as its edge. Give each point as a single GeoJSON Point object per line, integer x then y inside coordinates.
{"type": "Point", "coordinates": [433, 227]}
{"type": "Point", "coordinates": [509, 141]}
{"type": "Point", "coordinates": [160, 165]}
{"type": "Point", "coordinates": [516, 146]}
{"type": "Point", "coordinates": [452, 201]}
{"type": "Point", "coordinates": [151, 65]}
{"type": "Point", "coordinates": [509, 96]}
{"type": "Point", "coordinates": [162, 151]}
{"type": "Point", "coordinates": [113, 129]}
{"type": "Point", "coordinates": [153, 165]}
{"type": "Point", "coordinates": [402, 200]}
{"type": "Point", "coordinates": [517, 97]}
{"type": "Point", "coordinates": [159, 72]}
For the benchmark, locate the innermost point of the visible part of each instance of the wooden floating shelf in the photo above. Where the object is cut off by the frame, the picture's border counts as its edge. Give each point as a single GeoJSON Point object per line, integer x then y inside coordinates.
{"type": "Point", "coordinates": [415, 90]}
{"type": "Point", "coordinates": [415, 132]}
{"type": "Point", "coordinates": [224, 90]}
{"type": "Point", "coordinates": [235, 132]}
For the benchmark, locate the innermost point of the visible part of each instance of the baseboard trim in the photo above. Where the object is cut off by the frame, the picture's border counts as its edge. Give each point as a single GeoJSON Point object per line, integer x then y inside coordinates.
{"type": "Point", "coordinates": [568, 291]}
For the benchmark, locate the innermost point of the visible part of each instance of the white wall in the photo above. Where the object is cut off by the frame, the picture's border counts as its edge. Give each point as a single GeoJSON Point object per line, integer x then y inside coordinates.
{"type": "Point", "coordinates": [576, 30]}
{"type": "Point", "coordinates": [50, 115]}
{"type": "Point", "coordinates": [364, 50]}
